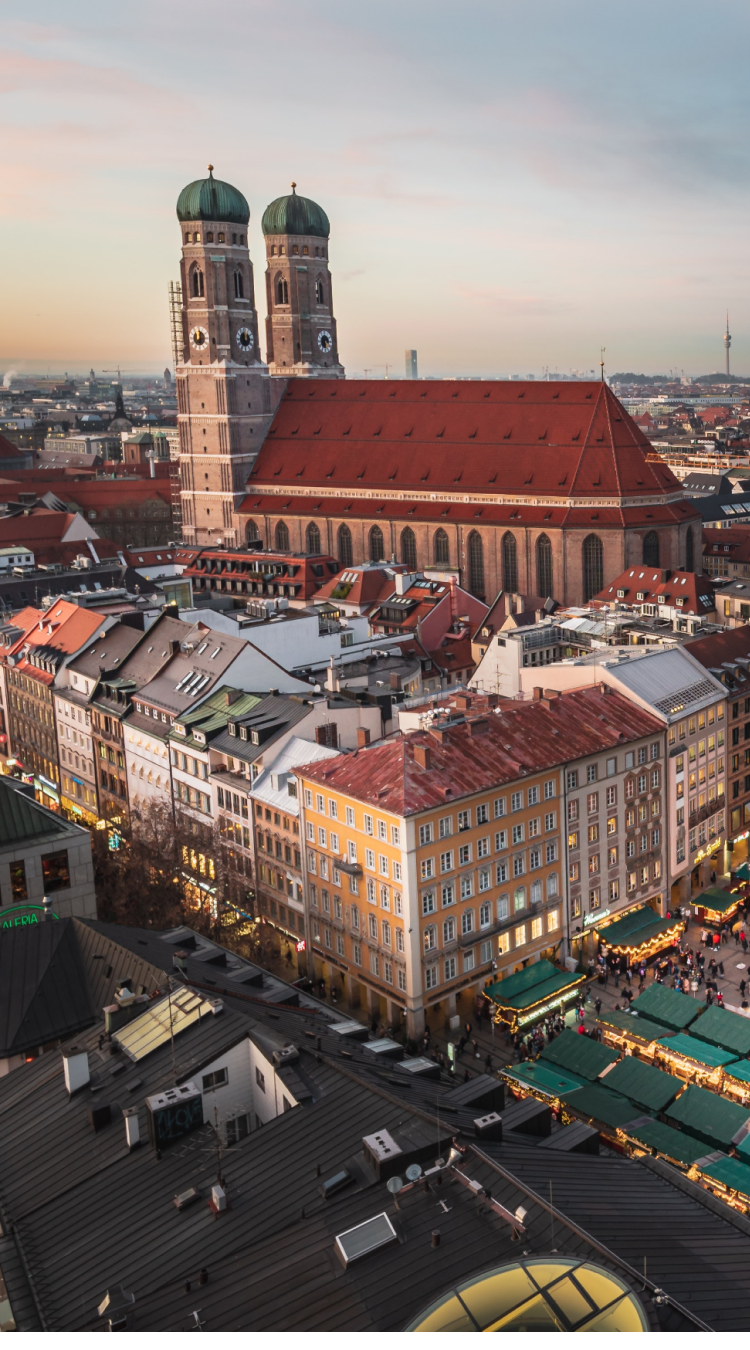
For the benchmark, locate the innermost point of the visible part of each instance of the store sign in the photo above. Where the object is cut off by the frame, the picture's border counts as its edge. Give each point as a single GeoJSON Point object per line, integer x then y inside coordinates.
{"type": "Point", "coordinates": [301, 945]}
{"type": "Point", "coordinates": [591, 919]}
{"type": "Point", "coordinates": [23, 916]}
{"type": "Point", "coordinates": [554, 1005]}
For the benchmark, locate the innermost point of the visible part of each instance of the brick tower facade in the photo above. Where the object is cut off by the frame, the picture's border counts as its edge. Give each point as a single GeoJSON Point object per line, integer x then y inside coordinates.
{"type": "Point", "coordinates": [225, 397]}
{"type": "Point", "coordinates": [300, 327]}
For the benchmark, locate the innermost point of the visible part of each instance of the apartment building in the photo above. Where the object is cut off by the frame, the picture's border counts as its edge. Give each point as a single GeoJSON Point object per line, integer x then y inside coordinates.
{"type": "Point", "coordinates": [10, 634]}
{"type": "Point", "coordinates": [189, 739]}
{"type": "Point", "coordinates": [727, 656]}
{"type": "Point", "coordinates": [435, 860]}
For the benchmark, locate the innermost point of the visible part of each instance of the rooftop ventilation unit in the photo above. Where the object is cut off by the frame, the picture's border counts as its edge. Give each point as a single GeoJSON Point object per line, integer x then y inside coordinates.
{"type": "Point", "coordinates": [173, 1114]}
{"type": "Point", "coordinates": [285, 1055]}
{"type": "Point", "coordinates": [76, 1069]}
{"type": "Point", "coordinates": [365, 1238]}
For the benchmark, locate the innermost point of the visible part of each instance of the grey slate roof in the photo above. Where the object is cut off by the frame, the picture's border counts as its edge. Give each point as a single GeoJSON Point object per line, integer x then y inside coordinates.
{"type": "Point", "coordinates": [43, 991]}
{"type": "Point", "coordinates": [23, 819]}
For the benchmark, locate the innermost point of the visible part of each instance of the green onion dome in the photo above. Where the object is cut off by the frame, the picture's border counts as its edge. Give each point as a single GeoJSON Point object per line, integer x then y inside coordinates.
{"type": "Point", "coordinates": [296, 215]}
{"type": "Point", "coordinates": [210, 199]}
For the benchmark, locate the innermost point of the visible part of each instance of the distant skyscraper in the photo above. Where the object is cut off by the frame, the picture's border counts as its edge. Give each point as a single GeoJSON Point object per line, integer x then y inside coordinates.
{"type": "Point", "coordinates": [410, 362]}
{"type": "Point", "coordinates": [727, 341]}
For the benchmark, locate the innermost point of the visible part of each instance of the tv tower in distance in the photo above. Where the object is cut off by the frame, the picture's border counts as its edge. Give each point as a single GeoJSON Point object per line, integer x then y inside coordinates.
{"type": "Point", "coordinates": [727, 341]}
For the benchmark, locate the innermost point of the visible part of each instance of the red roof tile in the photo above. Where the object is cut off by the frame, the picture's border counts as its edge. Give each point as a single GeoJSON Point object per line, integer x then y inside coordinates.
{"type": "Point", "coordinates": [513, 741]}
{"type": "Point", "coordinates": [712, 650]}
{"type": "Point", "coordinates": [691, 592]}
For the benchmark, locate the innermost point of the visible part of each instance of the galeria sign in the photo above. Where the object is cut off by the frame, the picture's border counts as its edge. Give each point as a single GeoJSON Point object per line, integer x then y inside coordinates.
{"type": "Point", "coordinates": [23, 917]}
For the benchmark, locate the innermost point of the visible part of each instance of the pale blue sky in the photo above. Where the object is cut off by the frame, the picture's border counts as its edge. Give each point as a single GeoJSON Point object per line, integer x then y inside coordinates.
{"type": "Point", "coordinates": [510, 184]}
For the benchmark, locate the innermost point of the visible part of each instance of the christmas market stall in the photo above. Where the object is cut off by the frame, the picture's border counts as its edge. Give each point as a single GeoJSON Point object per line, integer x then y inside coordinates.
{"type": "Point", "coordinates": [727, 1178]}
{"type": "Point", "coordinates": [631, 1034]}
{"type": "Point", "coordinates": [580, 1055]}
{"type": "Point", "coordinates": [716, 907]}
{"type": "Point", "coordinates": [735, 1082]}
{"type": "Point", "coordinates": [525, 998]}
{"type": "Point", "coordinates": [693, 1061]}
{"type": "Point", "coordinates": [725, 1029]}
{"type": "Point", "coordinates": [661, 1141]}
{"type": "Point", "coordinates": [640, 934]}
{"type": "Point", "coordinates": [606, 1111]}
{"type": "Point", "coordinates": [645, 1086]}
{"type": "Point", "coordinates": [546, 1082]}
{"type": "Point", "coordinates": [708, 1117]}
{"type": "Point", "coordinates": [661, 1004]}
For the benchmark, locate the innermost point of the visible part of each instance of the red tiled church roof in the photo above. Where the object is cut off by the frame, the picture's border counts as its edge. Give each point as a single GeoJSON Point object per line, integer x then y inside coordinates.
{"type": "Point", "coordinates": [518, 439]}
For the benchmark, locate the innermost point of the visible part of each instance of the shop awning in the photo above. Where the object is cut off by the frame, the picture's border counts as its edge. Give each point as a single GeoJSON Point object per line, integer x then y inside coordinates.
{"type": "Point", "coordinates": [614, 932]}
{"type": "Point", "coordinates": [535, 989]}
{"type": "Point", "coordinates": [743, 872]}
{"type": "Point", "coordinates": [660, 1004]}
{"type": "Point", "coordinates": [717, 902]}
{"type": "Point", "coordinates": [707, 1116]}
{"type": "Point", "coordinates": [704, 1055]}
{"type": "Point", "coordinates": [727, 1030]}
{"type": "Point", "coordinates": [672, 1144]}
{"type": "Point", "coordinates": [545, 1079]}
{"type": "Point", "coordinates": [739, 1070]}
{"type": "Point", "coordinates": [637, 1028]}
{"type": "Point", "coordinates": [645, 1086]}
{"type": "Point", "coordinates": [730, 1172]}
{"type": "Point", "coordinates": [579, 1054]}
{"type": "Point", "coordinates": [598, 1105]}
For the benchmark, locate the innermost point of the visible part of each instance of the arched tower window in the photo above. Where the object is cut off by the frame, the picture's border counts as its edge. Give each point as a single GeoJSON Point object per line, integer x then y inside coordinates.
{"type": "Point", "coordinates": [593, 567]}
{"type": "Point", "coordinates": [441, 548]}
{"type": "Point", "coordinates": [409, 548]}
{"type": "Point", "coordinates": [282, 537]}
{"type": "Point", "coordinates": [282, 291]}
{"type": "Point", "coordinates": [651, 549]}
{"type": "Point", "coordinates": [544, 566]}
{"type": "Point", "coordinates": [510, 563]}
{"type": "Point", "coordinates": [239, 286]}
{"type": "Point", "coordinates": [196, 283]}
{"type": "Point", "coordinates": [346, 556]}
{"type": "Point", "coordinates": [476, 564]}
{"type": "Point", "coordinates": [320, 292]}
{"type": "Point", "coordinates": [251, 531]}
{"type": "Point", "coordinates": [313, 538]}
{"type": "Point", "coordinates": [689, 554]}
{"type": "Point", "coordinates": [377, 551]}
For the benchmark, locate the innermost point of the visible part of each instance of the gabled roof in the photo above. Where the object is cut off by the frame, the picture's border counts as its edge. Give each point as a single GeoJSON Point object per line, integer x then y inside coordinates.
{"type": "Point", "coordinates": [43, 990]}
{"type": "Point", "coordinates": [22, 819]}
{"type": "Point", "coordinates": [690, 592]}
{"type": "Point", "coordinates": [522, 438]}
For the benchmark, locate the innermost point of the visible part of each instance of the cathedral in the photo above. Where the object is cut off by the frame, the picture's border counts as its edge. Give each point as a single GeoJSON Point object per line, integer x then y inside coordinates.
{"type": "Point", "coordinates": [540, 488]}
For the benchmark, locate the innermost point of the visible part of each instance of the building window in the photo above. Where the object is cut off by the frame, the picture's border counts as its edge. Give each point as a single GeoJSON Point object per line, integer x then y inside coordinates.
{"type": "Point", "coordinates": [196, 283]}
{"type": "Point", "coordinates": [282, 291]}
{"type": "Point", "coordinates": [239, 286]}
{"type": "Point", "coordinates": [282, 537]}
{"type": "Point", "coordinates": [593, 567]}
{"type": "Point", "coordinates": [345, 546]}
{"type": "Point", "coordinates": [56, 871]}
{"type": "Point", "coordinates": [377, 551]}
{"type": "Point", "coordinates": [450, 968]}
{"type": "Point", "coordinates": [651, 550]}
{"type": "Point", "coordinates": [215, 1080]}
{"type": "Point", "coordinates": [689, 553]}
{"type": "Point", "coordinates": [441, 548]}
{"type": "Point", "coordinates": [510, 563]}
{"type": "Point", "coordinates": [312, 535]}
{"type": "Point", "coordinates": [18, 886]}
{"type": "Point", "coordinates": [476, 564]}
{"type": "Point", "coordinates": [320, 295]}
{"type": "Point", "coordinates": [544, 566]}
{"type": "Point", "coordinates": [409, 548]}
{"type": "Point", "coordinates": [260, 1080]}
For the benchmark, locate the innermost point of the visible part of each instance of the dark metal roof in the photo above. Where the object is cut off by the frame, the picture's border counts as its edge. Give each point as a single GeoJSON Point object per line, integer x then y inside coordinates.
{"type": "Point", "coordinates": [23, 819]}
{"type": "Point", "coordinates": [43, 992]}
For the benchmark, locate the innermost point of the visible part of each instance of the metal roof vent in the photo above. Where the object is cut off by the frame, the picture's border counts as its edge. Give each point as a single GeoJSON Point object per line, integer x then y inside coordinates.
{"type": "Point", "coordinates": [365, 1238]}
{"type": "Point", "coordinates": [118, 1306]}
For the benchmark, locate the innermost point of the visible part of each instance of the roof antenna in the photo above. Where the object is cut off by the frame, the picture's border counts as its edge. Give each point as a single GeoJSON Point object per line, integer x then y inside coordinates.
{"type": "Point", "coordinates": [602, 350]}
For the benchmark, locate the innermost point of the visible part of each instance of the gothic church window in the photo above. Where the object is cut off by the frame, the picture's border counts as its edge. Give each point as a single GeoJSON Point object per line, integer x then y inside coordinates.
{"type": "Point", "coordinates": [313, 538]}
{"type": "Point", "coordinates": [346, 556]}
{"type": "Point", "coordinates": [377, 551]}
{"type": "Point", "coordinates": [282, 537]}
{"type": "Point", "coordinates": [476, 564]}
{"type": "Point", "coordinates": [196, 283]}
{"type": "Point", "coordinates": [544, 566]}
{"type": "Point", "coordinates": [593, 567]}
{"type": "Point", "coordinates": [409, 548]}
{"type": "Point", "coordinates": [441, 548]}
{"type": "Point", "coordinates": [320, 294]}
{"type": "Point", "coordinates": [282, 291]}
{"type": "Point", "coordinates": [651, 549]}
{"type": "Point", "coordinates": [689, 556]}
{"type": "Point", "coordinates": [510, 563]}
{"type": "Point", "coordinates": [239, 286]}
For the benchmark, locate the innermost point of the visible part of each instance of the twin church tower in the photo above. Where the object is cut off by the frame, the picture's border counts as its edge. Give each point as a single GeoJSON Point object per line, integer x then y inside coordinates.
{"type": "Point", "coordinates": [226, 393]}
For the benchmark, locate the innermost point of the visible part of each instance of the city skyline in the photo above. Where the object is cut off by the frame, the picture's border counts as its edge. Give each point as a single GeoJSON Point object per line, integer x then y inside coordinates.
{"type": "Point", "coordinates": [499, 201]}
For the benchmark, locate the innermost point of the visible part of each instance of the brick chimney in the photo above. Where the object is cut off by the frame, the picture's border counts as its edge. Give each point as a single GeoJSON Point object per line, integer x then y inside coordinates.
{"type": "Point", "coordinates": [537, 693]}
{"type": "Point", "coordinates": [363, 737]}
{"type": "Point", "coordinates": [423, 756]}
{"type": "Point", "coordinates": [479, 726]}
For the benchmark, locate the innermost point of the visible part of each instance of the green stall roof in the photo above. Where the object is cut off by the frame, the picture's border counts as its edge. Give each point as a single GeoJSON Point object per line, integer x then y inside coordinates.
{"type": "Point", "coordinates": [719, 901]}
{"type": "Point", "coordinates": [728, 1030]}
{"type": "Point", "coordinates": [739, 1070]}
{"type": "Point", "coordinates": [629, 923]}
{"type": "Point", "coordinates": [536, 983]}
{"type": "Point", "coordinates": [674, 1144]}
{"type": "Point", "coordinates": [708, 1055]}
{"type": "Point", "coordinates": [579, 1054]}
{"type": "Point", "coordinates": [730, 1172]}
{"type": "Point", "coordinates": [707, 1116]}
{"type": "Point", "coordinates": [660, 1004]}
{"type": "Point", "coordinates": [546, 1078]}
{"type": "Point", "coordinates": [628, 1022]}
{"type": "Point", "coordinates": [743, 1149]}
{"type": "Point", "coordinates": [647, 1087]}
{"type": "Point", "coordinates": [595, 1103]}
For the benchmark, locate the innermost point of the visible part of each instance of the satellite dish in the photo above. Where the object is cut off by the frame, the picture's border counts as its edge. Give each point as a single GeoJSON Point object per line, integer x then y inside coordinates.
{"type": "Point", "coordinates": [414, 1172]}
{"type": "Point", "coordinates": [394, 1184]}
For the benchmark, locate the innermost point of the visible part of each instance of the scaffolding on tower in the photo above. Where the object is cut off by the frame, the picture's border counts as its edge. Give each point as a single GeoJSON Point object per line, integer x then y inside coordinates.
{"type": "Point", "coordinates": [175, 328]}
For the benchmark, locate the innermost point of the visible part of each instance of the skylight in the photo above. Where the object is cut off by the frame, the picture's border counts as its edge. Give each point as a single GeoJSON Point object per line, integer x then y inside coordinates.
{"type": "Point", "coordinates": [365, 1238]}
{"type": "Point", "coordinates": [161, 1021]}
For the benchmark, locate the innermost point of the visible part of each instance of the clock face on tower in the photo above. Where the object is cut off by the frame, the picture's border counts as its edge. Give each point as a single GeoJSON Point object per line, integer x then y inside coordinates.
{"type": "Point", "coordinates": [245, 340]}
{"type": "Point", "coordinates": [325, 341]}
{"type": "Point", "coordinates": [198, 338]}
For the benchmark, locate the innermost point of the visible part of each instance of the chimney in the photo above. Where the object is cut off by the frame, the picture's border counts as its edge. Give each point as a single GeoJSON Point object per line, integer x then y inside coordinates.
{"type": "Point", "coordinates": [552, 693]}
{"type": "Point", "coordinates": [132, 1128]}
{"type": "Point", "coordinates": [519, 604]}
{"type": "Point", "coordinates": [363, 737]}
{"type": "Point", "coordinates": [76, 1069]}
{"type": "Point", "coordinates": [537, 694]}
{"type": "Point", "coordinates": [395, 680]}
{"type": "Point", "coordinates": [478, 726]}
{"type": "Point", "coordinates": [463, 702]}
{"type": "Point", "coordinates": [423, 756]}
{"type": "Point", "coordinates": [403, 582]}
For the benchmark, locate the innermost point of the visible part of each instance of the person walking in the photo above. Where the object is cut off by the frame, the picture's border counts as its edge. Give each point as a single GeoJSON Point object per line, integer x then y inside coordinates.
{"type": "Point", "coordinates": [743, 987]}
{"type": "Point", "coordinates": [598, 1006]}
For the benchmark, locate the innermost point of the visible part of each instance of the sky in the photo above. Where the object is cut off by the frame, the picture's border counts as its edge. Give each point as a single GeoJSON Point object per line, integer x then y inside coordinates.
{"type": "Point", "coordinates": [511, 186]}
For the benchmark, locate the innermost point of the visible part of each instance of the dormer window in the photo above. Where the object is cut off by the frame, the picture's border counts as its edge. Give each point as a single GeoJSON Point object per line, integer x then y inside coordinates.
{"type": "Point", "coordinates": [640, 595]}
{"type": "Point", "coordinates": [243, 733]}
{"type": "Point", "coordinates": [621, 595]}
{"type": "Point", "coordinates": [255, 738]}
{"type": "Point", "coordinates": [232, 728]}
